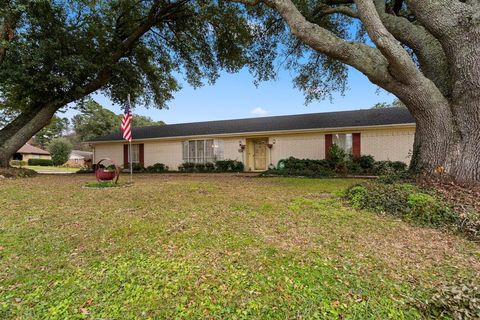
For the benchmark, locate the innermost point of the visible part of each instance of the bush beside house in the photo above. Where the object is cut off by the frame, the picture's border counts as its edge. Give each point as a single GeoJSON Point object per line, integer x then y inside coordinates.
{"type": "Point", "coordinates": [60, 150]}
{"type": "Point", "coordinates": [339, 164]}
{"type": "Point", "coordinates": [40, 162]}
{"type": "Point", "coordinates": [217, 166]}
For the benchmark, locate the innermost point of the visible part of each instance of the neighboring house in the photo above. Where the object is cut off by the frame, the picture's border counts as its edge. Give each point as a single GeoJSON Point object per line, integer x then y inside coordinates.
{"type": "Point", "coordinates": [30, 152]}
{"type": "Point", "coordinates": [386, 134]}
{"type": "Point", "coordinates": [79, 158]}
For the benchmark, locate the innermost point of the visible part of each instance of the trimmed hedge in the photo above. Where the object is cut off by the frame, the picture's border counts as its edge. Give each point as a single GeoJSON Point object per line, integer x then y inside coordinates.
{"type": "Point", "coordinates": [18, 163]}
{"type": "Point", "coordinates": [40, 162]}
{"type": "Point", "coordinates": [218, 166]}
{"type": "Point", "coordinates": [157, 168]}
{"type": "Point", "coordinates": [341, 165]}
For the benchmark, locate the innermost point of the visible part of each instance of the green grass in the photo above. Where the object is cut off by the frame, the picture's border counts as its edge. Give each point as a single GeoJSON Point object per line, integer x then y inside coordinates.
{"type": "Point", "coordinates": [103, 185]}
{"type": "Point", "coordinates": [51, 169]}
{"type": "Point", "coordinates": [218, 247]}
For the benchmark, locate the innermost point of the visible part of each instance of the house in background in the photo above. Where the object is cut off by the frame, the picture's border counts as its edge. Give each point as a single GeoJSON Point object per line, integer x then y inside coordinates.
{"type": "Point", "coordinates": [386, 134]}
{"type": "Point", "coordinates": [79, 158]}
{"type": "Point", "coordinates": [30, 152]}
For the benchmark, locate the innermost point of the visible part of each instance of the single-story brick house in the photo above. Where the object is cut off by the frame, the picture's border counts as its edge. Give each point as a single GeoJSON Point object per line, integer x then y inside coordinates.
{"type": "Point", "coordinates": [27, 151]}
{"type": "Point", "coordinates": [386, 134]}
{"type": "Point", "coordinates": [80, 158]}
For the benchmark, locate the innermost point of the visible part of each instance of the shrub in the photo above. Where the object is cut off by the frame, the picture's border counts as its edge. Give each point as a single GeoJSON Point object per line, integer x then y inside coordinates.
{"type": "Point", "coordinates": [337, 155]}
{"type": "Point", "coordinates": [157, 168]}
{"type": "Point", "coordinates": [199, 167]}
{"type": "Point", "coordinates": [402, 200]}
{"type": "Point", "coordinates": [40, 162]}
{"type": "Point", "coordinates": [229, 166]}
{"type": "Point", "coordinates": [136, 167]}
{"type": "Point", "coordinates": [428, 210]}
{"type": "Point", "coordinates": [458, 300]}
{"type": "Point", "coordinates": [18, 163]}
{"type": "Point", "coordinates": [209, 166]}
{"type": "Point", "coordinates": [342, 164]}
{"type": "Point", "coordinates": [366, 162]}
{"type": "Point", "coordinates": [187, 167]}
{"type": "Point", "coordinates": [60, 150]}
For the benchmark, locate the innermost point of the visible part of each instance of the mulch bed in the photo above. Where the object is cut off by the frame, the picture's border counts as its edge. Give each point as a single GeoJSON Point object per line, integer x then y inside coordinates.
{"type": "Point", "coordinates": [16, 173]}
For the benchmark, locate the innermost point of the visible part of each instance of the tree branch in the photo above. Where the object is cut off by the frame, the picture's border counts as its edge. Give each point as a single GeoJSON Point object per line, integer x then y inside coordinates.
{"type": "Point", "coordinates": [397, 57]}
{"type": "Point", "coordinates": [366, 59]}
{"type": "Point", "coordinates": [323, 10]}
{"type": "Point", "coordinates": [156, 14]}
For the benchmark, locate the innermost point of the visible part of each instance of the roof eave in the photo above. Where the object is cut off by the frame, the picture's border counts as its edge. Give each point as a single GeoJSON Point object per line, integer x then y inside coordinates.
{"type": "Point", "coordinates": [259, 133]}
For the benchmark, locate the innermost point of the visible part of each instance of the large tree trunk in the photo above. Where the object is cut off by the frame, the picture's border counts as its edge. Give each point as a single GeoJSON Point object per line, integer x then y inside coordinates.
{"type": "Point", "coordinates": [441, 150]}
{"type": "Point", "coordinates": [20, 130]}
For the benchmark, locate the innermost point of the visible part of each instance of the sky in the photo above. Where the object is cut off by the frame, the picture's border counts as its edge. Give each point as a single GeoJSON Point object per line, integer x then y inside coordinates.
{"type": "Point", "coordinates": [235, 96]}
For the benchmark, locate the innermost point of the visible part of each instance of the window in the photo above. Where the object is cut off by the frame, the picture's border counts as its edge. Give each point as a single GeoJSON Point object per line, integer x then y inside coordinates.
{"type": "Point", "coordinates": [135, 156]}
{"type": "Point", "coordinates": [344, 141]}
{"type": "Point", "coordinates": [202, 151]}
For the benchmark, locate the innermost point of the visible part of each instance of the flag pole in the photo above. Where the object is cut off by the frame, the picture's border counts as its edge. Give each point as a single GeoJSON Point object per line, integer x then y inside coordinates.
{"type": "Point", "coordinates": [130, 143]}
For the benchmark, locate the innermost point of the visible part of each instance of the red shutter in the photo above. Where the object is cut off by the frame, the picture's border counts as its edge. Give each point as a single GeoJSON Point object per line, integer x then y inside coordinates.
{"type": "Point", "coordinates": [328, 145]}
{"type": "Point", "coordinates": [142, 155]}
{"type": "Point", "coordinates": [125, 155]}
{"type": "Point", "coordinates": [356, 145]}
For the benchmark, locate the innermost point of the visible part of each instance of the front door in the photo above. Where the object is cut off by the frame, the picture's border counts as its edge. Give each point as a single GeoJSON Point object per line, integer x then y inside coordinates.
{"type": "Point", "coordinates": [260, 154]}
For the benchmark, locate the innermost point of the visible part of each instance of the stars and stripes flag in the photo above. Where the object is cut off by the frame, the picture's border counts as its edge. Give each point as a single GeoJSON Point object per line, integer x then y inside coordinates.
{"type": "Point", "coordinates": [126, 125]}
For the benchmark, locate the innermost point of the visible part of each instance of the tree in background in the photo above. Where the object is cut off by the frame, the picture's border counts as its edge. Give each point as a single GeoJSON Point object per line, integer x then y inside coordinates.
{"type": "Point", "coordinates": [394, 104]}
{"type": "Point", "coordinates": [143, 121]}
{"type": "Point", "coordinates": [60, 150]}
{"type": "Point", "coordinates": [425, 52]}
{"type": "Point", "coordinates": [94, 121]}
{"type": "Point", "coordinates": [55, 129]}
{"type": "Point", "coordinates": [54, 54]}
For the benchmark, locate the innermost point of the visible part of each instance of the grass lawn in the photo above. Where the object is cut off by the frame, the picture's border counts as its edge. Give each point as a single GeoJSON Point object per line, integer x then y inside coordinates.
{"type": "Point", "coordinates": [51, 169]}
{"type": "Point", "coordinates": [223, 247]}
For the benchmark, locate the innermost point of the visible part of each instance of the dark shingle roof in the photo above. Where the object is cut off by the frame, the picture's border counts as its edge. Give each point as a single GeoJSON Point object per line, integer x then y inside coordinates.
{"type": "Point", "coordinates": [357, 118]}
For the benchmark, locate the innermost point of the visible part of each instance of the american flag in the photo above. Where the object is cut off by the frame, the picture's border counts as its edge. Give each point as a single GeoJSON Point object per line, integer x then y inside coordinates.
{"type": "Point", "coordinates": [126, 125]}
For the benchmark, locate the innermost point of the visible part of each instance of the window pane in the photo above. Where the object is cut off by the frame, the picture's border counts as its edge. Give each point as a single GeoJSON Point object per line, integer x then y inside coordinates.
{"type": "Point", "coordinates": [344, 141]}
{"type": "Point", "coordinates": [185, 151]}
{"type": "Point", "coordinates": [218, 149]}
{"type": "Point", "coordinates": [200, 151]}
{"type": "Point", "coordinates": [191, 151]}
{"type": "Point", "coordinates": [135, 154]}
{"type": "Point", "coordinates": [209, 152]}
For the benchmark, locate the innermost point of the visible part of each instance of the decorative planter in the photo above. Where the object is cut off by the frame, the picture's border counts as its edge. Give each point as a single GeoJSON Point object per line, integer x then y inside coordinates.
{"type": "Point", "coordinates": [103, 174]}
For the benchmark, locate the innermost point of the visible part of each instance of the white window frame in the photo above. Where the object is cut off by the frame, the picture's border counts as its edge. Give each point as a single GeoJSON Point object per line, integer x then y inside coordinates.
{"type": "Point", "coordinates": [134, 155]}
{"type": "Point", "coordinates": [205, 156]}
{"type": "Point", "coordinates": [346, 144]}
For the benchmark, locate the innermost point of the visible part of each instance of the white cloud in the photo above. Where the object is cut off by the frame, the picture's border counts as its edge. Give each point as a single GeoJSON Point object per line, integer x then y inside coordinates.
{"type": "Point", "coordinates": [259, 111]}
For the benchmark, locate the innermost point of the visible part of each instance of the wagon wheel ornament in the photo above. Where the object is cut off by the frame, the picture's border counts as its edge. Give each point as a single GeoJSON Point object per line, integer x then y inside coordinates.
{"type": "Point", "coordinates": [103, 174]}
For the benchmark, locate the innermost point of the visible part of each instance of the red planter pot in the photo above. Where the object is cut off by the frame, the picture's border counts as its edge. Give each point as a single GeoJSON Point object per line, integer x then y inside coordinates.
{"type": "Point", "coordinates": [103, 175]}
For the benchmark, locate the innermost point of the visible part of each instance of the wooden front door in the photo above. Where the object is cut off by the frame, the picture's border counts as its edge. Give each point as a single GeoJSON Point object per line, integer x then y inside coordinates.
{"type": "Point", "coordinates": [260, 154]}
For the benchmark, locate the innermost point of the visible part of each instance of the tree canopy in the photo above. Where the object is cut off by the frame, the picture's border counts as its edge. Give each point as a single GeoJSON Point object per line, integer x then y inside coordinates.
{"type": "Point", "coordinates": [94, 121]}
{"type": "Point", "coordinates": [54, 53]}
{"type": "Point", "coordinates": [55, 129]}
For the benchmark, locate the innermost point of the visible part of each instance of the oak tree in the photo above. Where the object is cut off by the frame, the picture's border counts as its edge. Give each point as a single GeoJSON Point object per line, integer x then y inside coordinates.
{"type": "Point", "coordinates": [425, 52]}
{"type": "Point", "coordinates": [54, 54]}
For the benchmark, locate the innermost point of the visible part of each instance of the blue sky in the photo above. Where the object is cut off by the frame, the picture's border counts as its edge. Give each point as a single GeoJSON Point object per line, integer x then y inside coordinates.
{"type": "Point", "coordinates": [235, 96]}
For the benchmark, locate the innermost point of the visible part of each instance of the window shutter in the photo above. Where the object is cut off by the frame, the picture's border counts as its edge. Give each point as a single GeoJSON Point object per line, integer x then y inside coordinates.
{"type": "Point", "coordinates": [125, 155]}
{"type": "Point", "coordinates": [328, 145]}
{"type": "Point", "coordinates": [356, 145]}
{"type": "Point", "coordinates": [141, 156]}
